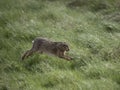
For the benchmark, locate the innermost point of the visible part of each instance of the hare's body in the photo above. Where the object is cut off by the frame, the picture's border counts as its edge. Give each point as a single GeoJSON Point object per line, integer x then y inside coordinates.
{"type": "Point", "coordinates": [43, 45]}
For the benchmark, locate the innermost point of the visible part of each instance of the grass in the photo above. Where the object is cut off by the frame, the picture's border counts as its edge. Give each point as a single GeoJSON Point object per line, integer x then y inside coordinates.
{"type": "Point", "coordinates": [92, 31]}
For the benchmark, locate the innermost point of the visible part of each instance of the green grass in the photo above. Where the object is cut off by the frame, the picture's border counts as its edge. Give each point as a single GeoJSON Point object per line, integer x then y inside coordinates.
{"type": "Point", "coordinates": [90, 27]}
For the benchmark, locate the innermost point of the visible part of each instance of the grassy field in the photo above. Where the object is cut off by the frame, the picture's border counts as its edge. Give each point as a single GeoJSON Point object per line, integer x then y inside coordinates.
{"type": "Point", "coordinates": [90, 27]}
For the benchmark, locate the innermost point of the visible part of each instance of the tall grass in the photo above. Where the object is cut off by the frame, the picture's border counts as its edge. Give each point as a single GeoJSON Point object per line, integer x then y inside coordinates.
{"type": "Point", "coordinates": [90, 27]}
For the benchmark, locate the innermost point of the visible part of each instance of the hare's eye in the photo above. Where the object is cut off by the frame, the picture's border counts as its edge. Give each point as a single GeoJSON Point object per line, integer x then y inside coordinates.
{"type": "Point", "coordinates": [64, 46]}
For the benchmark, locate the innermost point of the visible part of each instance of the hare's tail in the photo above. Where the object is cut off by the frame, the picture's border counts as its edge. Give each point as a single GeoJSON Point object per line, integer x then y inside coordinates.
{"type": "Point", "coordinates": [33, 41]}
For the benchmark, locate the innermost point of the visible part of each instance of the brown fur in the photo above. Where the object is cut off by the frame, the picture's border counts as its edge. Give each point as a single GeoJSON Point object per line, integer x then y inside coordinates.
{"type": "Point", "coordinates": [43, 45]}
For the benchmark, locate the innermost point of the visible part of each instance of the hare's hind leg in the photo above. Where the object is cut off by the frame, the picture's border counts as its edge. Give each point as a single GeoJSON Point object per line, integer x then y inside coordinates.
{"type": "Point", "coordinates": [28, 53]}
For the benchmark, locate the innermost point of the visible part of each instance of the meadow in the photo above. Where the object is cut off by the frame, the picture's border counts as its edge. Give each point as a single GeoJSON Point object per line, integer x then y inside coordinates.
{"type": "Point", "coordinates": [90, 27]}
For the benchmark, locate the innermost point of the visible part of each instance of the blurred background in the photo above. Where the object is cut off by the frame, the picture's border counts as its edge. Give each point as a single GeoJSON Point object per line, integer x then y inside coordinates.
{"type": "Point", "coordinates": [90, 27]}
